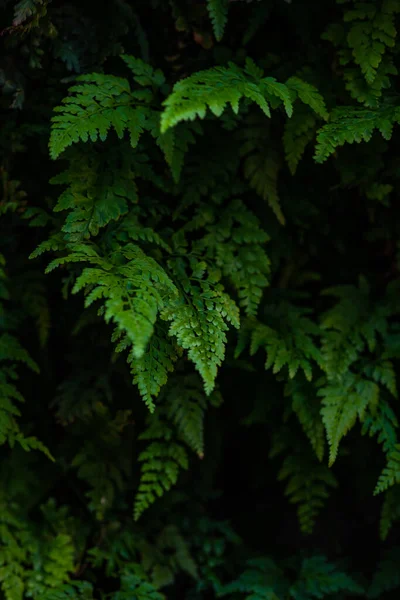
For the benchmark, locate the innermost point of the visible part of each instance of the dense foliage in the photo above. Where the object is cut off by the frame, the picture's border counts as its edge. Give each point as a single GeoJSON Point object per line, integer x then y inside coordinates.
{"type": "Point", "coordinates": [199, 299]}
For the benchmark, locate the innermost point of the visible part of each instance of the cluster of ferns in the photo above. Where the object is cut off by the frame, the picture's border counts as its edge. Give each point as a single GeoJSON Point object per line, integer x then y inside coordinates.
{"type": "Point", "coordinates": [199, 300]}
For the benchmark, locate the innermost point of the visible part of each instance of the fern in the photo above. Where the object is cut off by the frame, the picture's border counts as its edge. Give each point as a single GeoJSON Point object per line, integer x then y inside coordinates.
{"type": "Point", "coordinates": [135, 584]}
{"type": "Point", "coordinates": [57, 565]}
{"type": "Point", "coordinates": [186, 406]}
{"type": "Point", "coordinates": [348, 125]}
{"type": "Point", "coordinates": [96, 465]}
{"type": "Point", "coordinates": [316, 578]}
{"type": "Point", "coordinates": [342, 404]}
{"type": "Point", "coordinates": [98, 103]}
{"type": "Point", "coordinates": [308, 486]}
{"type": "Point", "coordinates": [217, 87]}
{"type": "Point", "coordinates": [163, 229]}
{"type": "Point", "coordinates": [319, 578]}
{"type": "Point", "coordinates": [350, 326]}
{"type": "Point", "coordinates": [16, 542]}
{"type": "Point", "coordinates": [262, 580]}
{"type": "Point", "coordinates": [367, 39]}
{"type": "Point", "coordinates": [30, 288]}
{"type": "Point", "coordinates": [380, 420]}
{"type": "Point", "coordinates": [151, 371]}
{"type": "Point", "coordinates": [291, 345]}
{"type": "Point", "coordinates": [99, 191]}
{"type": "Point", "coordinates": [143, 73]}
{"type": "Point", "coordinates": [199, 322]}
{"type": "Point", "coordinates": [102, 102]}
{"type": "Point", "coordinates": [218, 11]}
{"type": "Point", "coordinates": [235, 240]}
{"type": "Point", "coordinates": [162, 461]}
{"type": "Point", "coordinates": [390, 511]}
{"type": "Point", "coordinates": [128, 302]}
{"type": "Point", "coordinates": [174, 547]}
{"type": "Point", "coordinates": [391, 473]}
{"type": "Point", "coordinates": [387, 577]}
{"type": "Point", "coordinates": [75, 590]}
{"type": "Point", "coordinates": [31, 564]}
{"type": "Point", "coordinates": [309, 95]}
{"type": "Point", "coordinates": [299, 132]}
{"type": "Point", "coordinates": [12, 352]}
{"type": "Point", "coordinates": [371, 33]}
{"type": "Point", "coordinates": [307, 408]}
{"type": "Point", "coordinates": [261, 165]}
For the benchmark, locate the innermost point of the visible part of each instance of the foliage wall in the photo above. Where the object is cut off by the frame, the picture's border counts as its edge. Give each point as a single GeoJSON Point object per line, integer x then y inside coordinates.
{"type": "Point", "coordinates": [199, 299]}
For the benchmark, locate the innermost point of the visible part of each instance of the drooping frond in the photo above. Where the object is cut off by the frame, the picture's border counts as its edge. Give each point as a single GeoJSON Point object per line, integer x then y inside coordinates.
{"type": "Point", "coordinates": [217, 87]}
{"type": "Point", "coordinates": [306, 404]}
{"type": "Point", "coordinates": [288, 343]}
{"type": "Point", "coordinates": [349, 125]}
{"type": "Point", "coordinates": [218, 11]}
{"type": "Point", "coordinates": [299, 132]}
{"type": "Point", "coordinates": [391, 473]}
{"type": "Point", "coordinates": [342, 403]}
{"type": "Point", "coordinates": [98, 102]}
{"type": "Point", "coordinates": [100, 190]}
{"type": "Point", "coordinates": [308, 486]}
{"type": "Point", "coordinates": [186, 405]}
{"type": "Point", "coordinates": [199, 321]}
{"type": "Point", "coordinates": [151, 370]}
{"type": "Point", "coordinates": [390, 511]}
{"type": "Point", "coordinates": [162, 461]}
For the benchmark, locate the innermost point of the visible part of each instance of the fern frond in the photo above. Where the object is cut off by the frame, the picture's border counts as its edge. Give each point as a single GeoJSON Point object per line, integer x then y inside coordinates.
{"type": "Point", "coordinates": [135, 584]}
{"type": "Point", "coordinates": [75, 590]}
{"type": "Point", "coordinates": [151, 370]}
{"type": "Point", "coordinates": [391, 473]}
{"type": "Point", "coordinates": [390, 511]}
{"type": "Point", "coordinates": [383, 372]}
{"type": "Point", "coordinates": [171, 541]}
{"type": "Point", "coordinates": [291, 344]}
{"type": "Point", "coordinates": [263, 579]}
{"type": "Point", "coordinates": [161, 463]}
{"type": "Point", "coordinates": [371, 33]}
{"type": "Point", "coordinates": [16, 545]}
{"type": "Point", "coordinates": [133, 293]}
{"type": "Point", "coordinates": [143, 73]}
{"type": "Point", "coordinates": [97, 103]}
{"type": "Point", "coordinates": [309, 95]}
{"type": "Point", "coordinates": [369, 94]}
{"type": "Point", "coordinates": [218, 11]}
{"type": "Point", "coordinates": [350, 326]}
{"type": "Point", "coordinates": [12, 352]}
{"type": "Point", "coordinates": [99, 191]}
{"type": "Point", "coordinates": [299, 131]}
{"type": "Point", "coordinates": [319, 578]}
{"type": "Point", "coordinates": [235, 241]}
{"type": "Point", "coordinates": [382, 422]}
{"type": "Point", "coordinates": [387, 576]}
{"type": "Point", "coordinates": [261, 169]}
{"type": "Point", "coordinates": [31, 289]}
{"type": "Point", "coordinates": [175, 143]}
{"type": "Point", "coordinates": [57, 564]}
{"type": "Point", "coordinates": [342, 403]}
{"type": "Point", "coordinates": [217, 87]}
{"type": "Point", "coordinates": [199, 322]}
{"type": "Point", "coordinates": [186, 407]}
{"type": "Point", "coordinates": [308, 486]}
{"type": "Point", "coordinates": [306, 405]}
{"type": "Point", "coordinates": [349, 125]}
{"type": "Point", "coordinates": [53, 244]}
